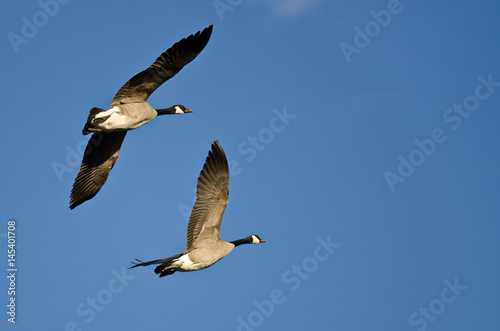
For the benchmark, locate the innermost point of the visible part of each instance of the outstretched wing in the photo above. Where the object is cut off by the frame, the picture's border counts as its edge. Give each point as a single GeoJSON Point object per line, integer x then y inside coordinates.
{"type": "Point", "coordinates": [100, 156]}
{"type": "Point", "coordinates": [142, 85]}
{"type": "Point", "coordinates": [212, 196]}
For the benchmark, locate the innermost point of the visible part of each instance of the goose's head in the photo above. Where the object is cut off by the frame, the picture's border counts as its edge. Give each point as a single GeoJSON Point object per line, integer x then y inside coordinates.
{"type": "Point", "coordinates": [255, 239]}
{"type": "Point", "coordinates": [180, 109]}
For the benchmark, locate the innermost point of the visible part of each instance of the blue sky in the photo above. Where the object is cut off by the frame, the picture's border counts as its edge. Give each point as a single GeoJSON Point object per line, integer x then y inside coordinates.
{"type": "Point", "coordinates": [364, 141]}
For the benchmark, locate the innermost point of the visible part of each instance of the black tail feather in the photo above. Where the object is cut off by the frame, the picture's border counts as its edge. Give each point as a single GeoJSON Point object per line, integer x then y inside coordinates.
{"type": "Point", "coordinates": [165, 265]}
{"type": "Point", "coordinates": [88, 128]}
{"type": "Point", "coordinates": [143, 264]}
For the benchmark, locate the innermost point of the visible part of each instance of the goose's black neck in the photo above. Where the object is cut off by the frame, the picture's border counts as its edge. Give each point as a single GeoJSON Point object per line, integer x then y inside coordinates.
{"type": "Point", "coordinates": [166, 111]}
{"type": "Point", "coordinates": [247, 240]}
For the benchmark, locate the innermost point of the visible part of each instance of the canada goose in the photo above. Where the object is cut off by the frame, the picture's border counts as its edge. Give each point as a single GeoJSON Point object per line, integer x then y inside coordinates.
{"type": "Point", "coordinates": [129, 110]}
{"type": "Point", "coordinates": [204, 246]}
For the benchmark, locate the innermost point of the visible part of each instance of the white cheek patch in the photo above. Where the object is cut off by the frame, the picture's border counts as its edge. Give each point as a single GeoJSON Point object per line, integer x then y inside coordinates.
{"type": "Point", "coordinates": [255, 240]}
{"type": "Point", "coordinates": [178, 110]}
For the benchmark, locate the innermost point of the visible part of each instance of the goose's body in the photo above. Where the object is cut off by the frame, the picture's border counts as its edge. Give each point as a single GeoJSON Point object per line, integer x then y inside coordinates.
{"type": "Point", "coordinates": [129, 110]}
{"type": "Point", "coordinates": [204, 246]}
{"type": "Point", "coordinates": [128, 116]}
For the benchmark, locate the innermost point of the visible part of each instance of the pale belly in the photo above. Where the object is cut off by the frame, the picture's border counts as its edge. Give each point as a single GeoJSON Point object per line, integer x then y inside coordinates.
{"type": "Point", "coordinates": [203, 259]}
{"type": "Point", "coordinates": [124, 117]}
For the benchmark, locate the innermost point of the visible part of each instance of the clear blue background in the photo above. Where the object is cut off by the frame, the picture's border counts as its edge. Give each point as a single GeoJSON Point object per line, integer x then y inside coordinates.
{"type": "Point", "coordinates": [322, 176]}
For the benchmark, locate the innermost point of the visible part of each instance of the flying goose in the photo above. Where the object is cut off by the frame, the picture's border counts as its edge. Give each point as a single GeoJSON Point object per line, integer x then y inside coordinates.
{"type": "Point", "coordinates": [129, 110]}
{"type": "Point", "coordinates": [204, 246]}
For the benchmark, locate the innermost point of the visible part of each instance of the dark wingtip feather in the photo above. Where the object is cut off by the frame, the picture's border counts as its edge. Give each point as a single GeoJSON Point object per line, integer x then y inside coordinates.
{"type": "Point", "coordinates": [98, 159]}
{"type": "Point", "coordinates": [216, 156]}
{"type": "Point", "coordinates": [80, 194]}
{"type": "Point", "coordinates": [208, 30]}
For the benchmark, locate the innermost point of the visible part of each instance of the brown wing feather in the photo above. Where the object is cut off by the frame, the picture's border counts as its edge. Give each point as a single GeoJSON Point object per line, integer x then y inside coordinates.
{"type": "Point", "coordinates": [142, 85]}
{"type": "Point", "coordinates": [212, 196]}
{"type": "Point", "coordinates": [100, 156]}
